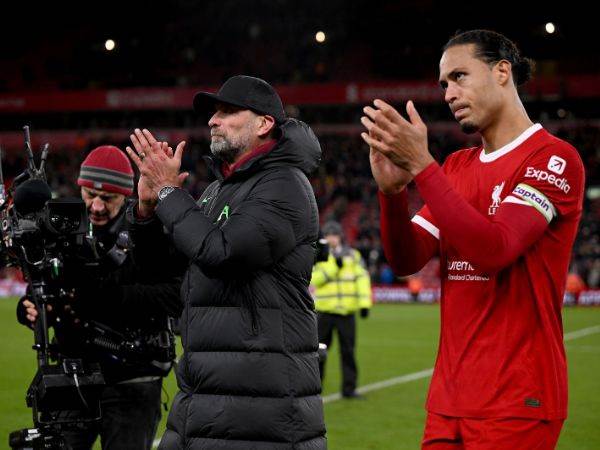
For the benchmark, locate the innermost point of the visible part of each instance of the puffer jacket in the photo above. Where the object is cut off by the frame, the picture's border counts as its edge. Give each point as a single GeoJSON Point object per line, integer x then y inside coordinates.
{"type": "Point", "coordinates": [249, 375]}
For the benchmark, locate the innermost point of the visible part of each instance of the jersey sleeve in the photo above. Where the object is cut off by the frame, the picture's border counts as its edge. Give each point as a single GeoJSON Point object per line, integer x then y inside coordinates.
{"type": "Point", "coordinates": [488, 244]}
{"type": "Point", "coordinates": [551, 182]}
{"type": "Point", "coordinates": [425, 220]}
{"type": "Point", "coordinates": [407, 246]}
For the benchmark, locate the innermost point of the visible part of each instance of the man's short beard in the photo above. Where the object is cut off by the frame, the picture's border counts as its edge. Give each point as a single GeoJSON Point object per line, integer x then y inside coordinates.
{"type": "Point", "coordinates": [224, 150]}
{"type": "Point", "coordinates": [228, 148]}
{"type": "Point", "coordinates": [469, 127]}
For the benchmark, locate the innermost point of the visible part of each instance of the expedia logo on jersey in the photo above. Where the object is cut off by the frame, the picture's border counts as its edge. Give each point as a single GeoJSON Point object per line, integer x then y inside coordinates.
{"type": "Point", "coordinates": [536, 199]}
{"type": "Point", "coordinates": [557, 165]}
{"type": "Point", "coordinates": [542, 175]}
{"type": "Point", "coordinates": [463, 271]}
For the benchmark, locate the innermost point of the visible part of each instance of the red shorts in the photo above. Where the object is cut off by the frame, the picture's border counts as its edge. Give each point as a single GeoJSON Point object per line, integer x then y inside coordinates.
{"type": "Point", "coordinates": [456, 433]}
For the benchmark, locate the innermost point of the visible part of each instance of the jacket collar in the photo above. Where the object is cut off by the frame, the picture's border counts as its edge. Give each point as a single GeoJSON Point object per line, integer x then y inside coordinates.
{"type": "Point", "coordinates": [297, 146]}
{"type": "Point", "coordinates": [228, 169]}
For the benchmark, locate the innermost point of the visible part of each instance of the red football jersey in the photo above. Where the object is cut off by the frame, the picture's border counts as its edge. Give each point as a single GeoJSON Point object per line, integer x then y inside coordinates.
{"type": "Point", "coordinates": [501, 350]}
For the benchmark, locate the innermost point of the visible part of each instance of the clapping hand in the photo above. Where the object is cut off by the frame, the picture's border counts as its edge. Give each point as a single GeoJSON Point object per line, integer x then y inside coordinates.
{"type": "Point", "coordinates": [398, 147]}
{"type": "Point", "coordinates": [158, 165]}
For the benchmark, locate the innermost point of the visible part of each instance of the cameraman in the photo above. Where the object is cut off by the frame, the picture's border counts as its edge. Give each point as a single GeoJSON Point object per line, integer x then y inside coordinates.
{"type": "Point", "coordinates": [119, 297]}
{"type": "Point", "coordinates": [342, 287]}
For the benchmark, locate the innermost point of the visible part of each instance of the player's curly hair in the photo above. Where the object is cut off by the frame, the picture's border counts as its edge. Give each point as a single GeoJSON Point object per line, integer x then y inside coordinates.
{"type": "Point", "coordinates": [492, 47]}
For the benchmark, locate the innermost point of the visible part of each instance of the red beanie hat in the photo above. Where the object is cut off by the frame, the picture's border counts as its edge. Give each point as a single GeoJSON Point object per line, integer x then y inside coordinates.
{"type": "Point", "coordinates": [108, 169]}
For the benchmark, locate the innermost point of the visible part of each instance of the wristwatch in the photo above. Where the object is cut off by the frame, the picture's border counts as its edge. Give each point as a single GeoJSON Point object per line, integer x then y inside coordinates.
{"type": "Point", "coordinates": [164, 191]}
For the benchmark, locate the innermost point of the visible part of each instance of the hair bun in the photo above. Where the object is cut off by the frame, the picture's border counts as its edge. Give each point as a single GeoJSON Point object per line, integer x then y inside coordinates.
{"type": "Point", "coordinates": [523, 70]}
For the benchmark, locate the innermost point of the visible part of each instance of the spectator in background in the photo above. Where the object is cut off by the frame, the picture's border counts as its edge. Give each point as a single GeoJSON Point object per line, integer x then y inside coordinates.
{"type": "Point", "coordinates": [342, 287]}
{"type": "Point", "coordinates": [415, 285]}
{"type": "Point", "coordinates": [387, 275]}
{"type": "Point", "coordinates": [575, 285]}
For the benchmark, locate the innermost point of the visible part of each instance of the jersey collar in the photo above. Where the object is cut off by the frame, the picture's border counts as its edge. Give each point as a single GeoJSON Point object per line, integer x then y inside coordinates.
{"type": "Point", "coordinates": [489, 157]}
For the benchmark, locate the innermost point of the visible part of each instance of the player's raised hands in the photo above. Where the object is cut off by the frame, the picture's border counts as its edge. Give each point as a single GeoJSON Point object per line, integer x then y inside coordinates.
{"type": "Point", "coordinates": [401, 141]}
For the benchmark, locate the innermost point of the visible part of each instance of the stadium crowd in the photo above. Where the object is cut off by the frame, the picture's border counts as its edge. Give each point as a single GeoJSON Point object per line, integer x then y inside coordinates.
{"type": "Point", "coordinates": [346, 192]}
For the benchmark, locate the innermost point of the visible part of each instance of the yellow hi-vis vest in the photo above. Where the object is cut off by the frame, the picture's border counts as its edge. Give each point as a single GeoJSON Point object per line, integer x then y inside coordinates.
{"type": "Point", "coordinates": [341, 290]}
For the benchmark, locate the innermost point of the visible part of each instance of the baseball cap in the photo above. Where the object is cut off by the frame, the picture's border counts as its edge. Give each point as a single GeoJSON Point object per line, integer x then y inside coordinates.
{"type": "Point", "coordinates": [245, 92]}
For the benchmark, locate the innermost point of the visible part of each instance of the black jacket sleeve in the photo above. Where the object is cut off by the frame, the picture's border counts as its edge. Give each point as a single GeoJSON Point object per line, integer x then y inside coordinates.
{"type": "Point", "coordinates": [153, 251]}
{"type": "Point", "coordinates": [259, 231]}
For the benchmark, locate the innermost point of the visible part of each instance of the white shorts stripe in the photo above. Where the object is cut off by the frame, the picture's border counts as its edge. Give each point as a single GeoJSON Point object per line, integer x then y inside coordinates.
{"type": "Point", "coordinates": [423, 223]}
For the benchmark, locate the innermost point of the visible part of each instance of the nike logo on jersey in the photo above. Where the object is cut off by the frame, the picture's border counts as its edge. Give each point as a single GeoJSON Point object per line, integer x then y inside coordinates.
{"type": "Point", "coordinates": [542, 175]}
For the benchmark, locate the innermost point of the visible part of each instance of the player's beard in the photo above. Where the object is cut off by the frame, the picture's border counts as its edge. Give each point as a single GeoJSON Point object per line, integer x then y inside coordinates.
{"type": "Point", "coordinates": [469, 127]}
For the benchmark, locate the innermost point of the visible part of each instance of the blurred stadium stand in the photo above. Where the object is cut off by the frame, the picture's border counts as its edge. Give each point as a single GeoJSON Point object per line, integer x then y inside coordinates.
{"type": "Point", "coordinates": [76, 94]}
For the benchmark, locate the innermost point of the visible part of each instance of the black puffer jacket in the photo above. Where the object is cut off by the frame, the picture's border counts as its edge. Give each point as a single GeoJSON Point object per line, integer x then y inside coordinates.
{"type": "Point", "coordinates": [249, 375]}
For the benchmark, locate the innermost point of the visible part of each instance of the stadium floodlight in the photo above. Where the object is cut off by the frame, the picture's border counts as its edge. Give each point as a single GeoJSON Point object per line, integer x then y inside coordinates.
{"type": "Point", "coordinates": [550, 28]}
{"type": "Point", "coordinates": [109, 45]}
{"type": "Point", "coordinates": [320, 37]}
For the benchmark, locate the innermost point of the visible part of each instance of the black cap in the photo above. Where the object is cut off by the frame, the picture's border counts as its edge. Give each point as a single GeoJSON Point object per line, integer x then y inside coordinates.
{"type": "Point", "coordinates": [246, 92]}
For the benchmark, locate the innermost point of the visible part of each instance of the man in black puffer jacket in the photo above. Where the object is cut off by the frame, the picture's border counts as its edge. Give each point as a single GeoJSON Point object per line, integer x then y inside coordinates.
{"type": "Point", "coordinates": [249, 375]}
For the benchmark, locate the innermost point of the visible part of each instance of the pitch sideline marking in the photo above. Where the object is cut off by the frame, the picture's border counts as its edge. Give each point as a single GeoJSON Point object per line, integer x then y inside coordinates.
{"type": "Point", "coordinates": [427, 373]}
{"type": "Point", "coordinates": [581, 333]}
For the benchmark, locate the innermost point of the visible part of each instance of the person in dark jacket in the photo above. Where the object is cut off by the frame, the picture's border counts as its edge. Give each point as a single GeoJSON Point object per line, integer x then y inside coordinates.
{"type": "Point", "coordinates": [249, 375]}
{"type": "Point", "coordinates": [120, 298]}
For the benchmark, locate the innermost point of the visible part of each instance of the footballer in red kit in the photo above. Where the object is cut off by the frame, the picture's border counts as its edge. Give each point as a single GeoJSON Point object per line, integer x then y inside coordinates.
{"type": "Point", "coordinates": [502, 217]}
{"type": "Point", "coordinates": [490, 309]}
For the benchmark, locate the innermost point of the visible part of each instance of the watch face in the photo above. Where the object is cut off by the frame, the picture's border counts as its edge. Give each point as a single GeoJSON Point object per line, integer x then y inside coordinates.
{"type": "Point", "coordinates": [165, 191]}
